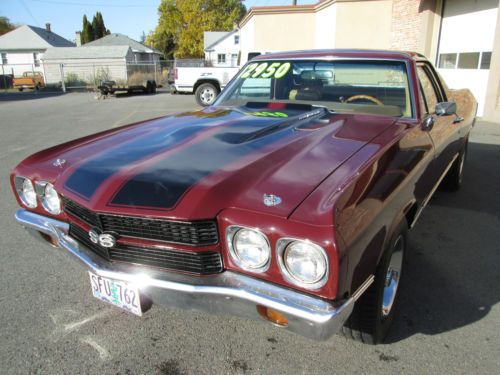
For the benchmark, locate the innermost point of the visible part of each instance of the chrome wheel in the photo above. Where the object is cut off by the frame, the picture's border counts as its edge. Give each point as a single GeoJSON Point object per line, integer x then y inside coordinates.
{"type": "Point", "coordinates": [207, 95]}
{"type": "Point", "coordinates": [393, 276]}
{"type": "Point", "coordinates": [461, 166]}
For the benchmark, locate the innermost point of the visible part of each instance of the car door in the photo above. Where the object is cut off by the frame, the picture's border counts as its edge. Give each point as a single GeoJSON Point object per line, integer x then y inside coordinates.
{"type": "Point", "coordinates": [442, 130]}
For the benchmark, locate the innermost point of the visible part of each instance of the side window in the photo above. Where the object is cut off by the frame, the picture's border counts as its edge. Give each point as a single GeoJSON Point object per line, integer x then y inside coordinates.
{"type": "Point", "coordinates": [428, 90]}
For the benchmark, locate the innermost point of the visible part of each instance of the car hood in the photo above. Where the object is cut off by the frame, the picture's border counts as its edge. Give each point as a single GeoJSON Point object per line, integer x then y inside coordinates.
{"type": "Point", "coordinates": [193, 165]}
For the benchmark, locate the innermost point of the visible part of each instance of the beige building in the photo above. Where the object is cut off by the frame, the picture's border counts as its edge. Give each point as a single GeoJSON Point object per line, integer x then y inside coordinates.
{"type": "Point", "coordinates": [462, 37]}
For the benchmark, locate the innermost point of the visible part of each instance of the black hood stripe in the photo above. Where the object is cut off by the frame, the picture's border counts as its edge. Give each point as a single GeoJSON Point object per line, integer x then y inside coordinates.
{"type": "Point", "coordinates": [161, 185]}
{"type": "Point", "coordinates": [87, 178]}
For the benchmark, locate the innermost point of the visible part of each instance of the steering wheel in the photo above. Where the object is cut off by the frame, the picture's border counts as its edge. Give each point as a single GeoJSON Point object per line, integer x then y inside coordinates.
{"type": "Point", "coordinates": [363, 97]}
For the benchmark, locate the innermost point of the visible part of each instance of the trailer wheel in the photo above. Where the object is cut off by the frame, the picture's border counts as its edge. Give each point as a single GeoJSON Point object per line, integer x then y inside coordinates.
{"type": "Point", "coordinates": [205, 94]}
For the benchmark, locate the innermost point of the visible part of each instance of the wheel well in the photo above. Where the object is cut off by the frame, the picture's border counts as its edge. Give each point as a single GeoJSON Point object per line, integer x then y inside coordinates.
{"type": "Point", "coordinates": [411, 213]}
{"type": "Point", "coordinates": [202, 81]}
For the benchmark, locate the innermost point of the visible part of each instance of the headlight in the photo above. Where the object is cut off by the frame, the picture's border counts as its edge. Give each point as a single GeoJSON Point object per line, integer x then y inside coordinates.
{"type": "Point", "coordinates": [303, 263]}
{"type": "Point", "coordinates": [249, 248]}
{"type": "Point", "coordinates": [26, 191]}
{"type": "Point", "coordinates": [50, 199]}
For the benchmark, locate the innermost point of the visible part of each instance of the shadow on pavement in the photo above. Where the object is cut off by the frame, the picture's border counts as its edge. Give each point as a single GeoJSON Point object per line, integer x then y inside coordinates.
{"type": "Point", "coordinates": [27, 95]}
{"type": "Point", "coordinates": [452, 273]}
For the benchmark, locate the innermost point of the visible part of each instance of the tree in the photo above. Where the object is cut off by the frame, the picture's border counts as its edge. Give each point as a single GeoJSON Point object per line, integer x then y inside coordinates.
{"type": "Point", "coordinates": [143, 38]}
{"type": "Point", "coordinates": [94, 30]}
{"type": "Point", "coordinates": [87, 31]}
{"type": "Point", "coordinates": [5, 25]}
{"type": "Point", "coordinates": [184, 21]}
{"type": "Point", "coordinates": [163, 42]}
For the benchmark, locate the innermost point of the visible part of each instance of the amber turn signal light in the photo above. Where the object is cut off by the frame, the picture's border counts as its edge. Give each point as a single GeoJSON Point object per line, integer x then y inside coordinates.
{"type": "Point", "coordinates": [272, 316]}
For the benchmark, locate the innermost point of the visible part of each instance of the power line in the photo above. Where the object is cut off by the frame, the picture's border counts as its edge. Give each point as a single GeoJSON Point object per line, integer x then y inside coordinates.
{"type": "Point", "coordinates": [29, 12]}
{"type": "Point", "coordinates": [73, 3]}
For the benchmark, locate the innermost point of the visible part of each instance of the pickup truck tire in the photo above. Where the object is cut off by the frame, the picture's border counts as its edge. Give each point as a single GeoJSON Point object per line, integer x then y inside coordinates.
{"type": "Point", "coordinates": [20, 89]}
{"type": "Point", "coordinates": [205, 94]}
{"type": "Point", "coordinates": [454, 177]}
{"type": "Point", "coordinates": [374, 311]}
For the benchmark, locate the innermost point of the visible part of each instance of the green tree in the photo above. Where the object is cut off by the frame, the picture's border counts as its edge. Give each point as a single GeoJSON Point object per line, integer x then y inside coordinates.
{"type": "Point", "coordinates": [87, 31]}
{"type": "Point", "coordinates": [163, 42]}
{"type": "Point", "coordinates": [94, 30]}
{"type": "Point", "coordinates": [184, 21]}
{"type": "Point", "coordinates": [5, 25]}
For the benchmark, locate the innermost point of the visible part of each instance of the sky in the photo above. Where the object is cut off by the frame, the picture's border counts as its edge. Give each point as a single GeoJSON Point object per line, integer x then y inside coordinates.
{"type": "Point", "coordinates": [129, 17]}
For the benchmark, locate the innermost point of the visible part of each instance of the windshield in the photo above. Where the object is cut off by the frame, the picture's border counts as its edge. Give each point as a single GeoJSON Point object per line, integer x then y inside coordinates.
{"type": "Point", "coordinates": [364, 86]}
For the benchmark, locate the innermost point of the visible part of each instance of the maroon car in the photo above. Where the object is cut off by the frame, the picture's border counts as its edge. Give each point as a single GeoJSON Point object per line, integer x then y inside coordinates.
{"type": "Point", "coordinates": [289, 200]}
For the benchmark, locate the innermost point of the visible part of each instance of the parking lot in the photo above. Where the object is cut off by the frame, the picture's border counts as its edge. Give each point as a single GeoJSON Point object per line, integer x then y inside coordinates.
{"type": "Point", "coordinates": [449, 315]}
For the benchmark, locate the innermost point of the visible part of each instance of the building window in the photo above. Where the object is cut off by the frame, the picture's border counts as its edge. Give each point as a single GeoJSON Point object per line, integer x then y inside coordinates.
{"type": "Point", "coordinates": [36, 58]}
{"type": "Point", "coordinates": [4, 59]}
{"type": "Point", "coordinates": [221, 58]}
{"type": "Point", "coordinates": [236, 39]}
{"type": "Point", "coordinates": [468, 60]}
{"type": "Point", "coordinates": [447, 60]}
{"type": "Point", "coordinates": [485, 60]}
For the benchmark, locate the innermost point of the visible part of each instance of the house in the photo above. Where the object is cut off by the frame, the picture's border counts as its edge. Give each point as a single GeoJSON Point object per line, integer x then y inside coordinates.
{"type": "Point", "coordinates": [142, 54]}
{"type": "Point", "coordinates": [87, 66]}
{"type": "Point", "coordinates": [22, 49]}
{"type": "Point", "coordinates": [222, 47]}
{"type": "Point", "coordinates": [461, 37]}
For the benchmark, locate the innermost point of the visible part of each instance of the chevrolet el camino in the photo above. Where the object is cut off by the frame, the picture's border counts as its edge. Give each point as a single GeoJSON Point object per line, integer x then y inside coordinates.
{"type": "Point", "coordinates": [289, 200]}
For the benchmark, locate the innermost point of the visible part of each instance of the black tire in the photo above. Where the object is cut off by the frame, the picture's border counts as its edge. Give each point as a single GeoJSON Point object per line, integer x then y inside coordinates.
{"type": "Point", "coordinates": [205, 94]}
{"type": "Point", "coordinates": [147, 89]}
{"type": "Point", "coordinates": [37, 87]}
{"type": "Point", "coordinates": [371, 318]}
{"type": "Point", "coordinates": [153, 88]}
{"type": "Point", "coordinates": [20, 89]}
{"type": "Point", "coordinates": [454, 177]}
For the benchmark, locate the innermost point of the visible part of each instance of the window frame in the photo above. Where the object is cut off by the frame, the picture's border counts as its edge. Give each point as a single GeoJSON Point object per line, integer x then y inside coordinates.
{"type": "Point", "coordinates": [221, 60]}
{"type": "Point", "coordinates": [435, 83]}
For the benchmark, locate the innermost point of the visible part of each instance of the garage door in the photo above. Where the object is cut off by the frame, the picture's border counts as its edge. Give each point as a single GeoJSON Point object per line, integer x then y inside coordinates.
{"type": "Point", "coordinates": [465, 45]}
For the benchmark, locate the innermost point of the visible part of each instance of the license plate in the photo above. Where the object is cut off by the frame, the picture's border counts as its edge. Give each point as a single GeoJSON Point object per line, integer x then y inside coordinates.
{"type": "Point", "coordinates": [116, 292]}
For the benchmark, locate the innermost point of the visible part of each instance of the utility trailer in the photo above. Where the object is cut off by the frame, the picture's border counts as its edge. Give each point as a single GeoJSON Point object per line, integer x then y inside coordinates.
{"type": "Point", "coordinates": [138, 77]}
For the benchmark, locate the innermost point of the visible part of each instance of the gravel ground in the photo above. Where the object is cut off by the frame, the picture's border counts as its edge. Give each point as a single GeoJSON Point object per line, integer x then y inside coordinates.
{"type": "Point", "coordinates": [448, 320]}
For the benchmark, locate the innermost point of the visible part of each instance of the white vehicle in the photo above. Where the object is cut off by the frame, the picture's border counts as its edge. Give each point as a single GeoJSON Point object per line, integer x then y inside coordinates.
{"type": "Point", "coordinates": [205, 82]}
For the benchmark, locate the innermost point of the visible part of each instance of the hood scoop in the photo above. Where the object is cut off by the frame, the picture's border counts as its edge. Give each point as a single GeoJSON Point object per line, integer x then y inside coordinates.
{"type": "Point", "coordinates": [299, 121]}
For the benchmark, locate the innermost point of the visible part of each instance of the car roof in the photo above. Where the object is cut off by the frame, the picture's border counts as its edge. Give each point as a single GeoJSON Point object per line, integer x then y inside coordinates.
{"type": "Point", "coordinates": [343, 53]}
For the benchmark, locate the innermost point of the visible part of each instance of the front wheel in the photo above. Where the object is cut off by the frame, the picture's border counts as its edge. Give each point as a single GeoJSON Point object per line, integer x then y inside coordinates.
{"type": "Point", "coordinates": [205, 94]}
{"type": "Point", "coordinates": [374, 312]}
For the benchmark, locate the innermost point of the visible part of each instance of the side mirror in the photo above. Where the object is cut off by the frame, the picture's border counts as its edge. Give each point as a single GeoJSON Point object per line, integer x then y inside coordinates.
{"type": "Point", "coordinates": [446, 108]}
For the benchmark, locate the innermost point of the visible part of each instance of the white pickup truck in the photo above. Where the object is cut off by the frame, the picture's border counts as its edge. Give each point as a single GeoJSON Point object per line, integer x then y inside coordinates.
{"type": "Point", "coordinates": [205, 82]}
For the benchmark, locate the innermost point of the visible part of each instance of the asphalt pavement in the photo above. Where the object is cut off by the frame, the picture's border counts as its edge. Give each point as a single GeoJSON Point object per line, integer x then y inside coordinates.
{"type": "Point", "coordinates": [449, 315]}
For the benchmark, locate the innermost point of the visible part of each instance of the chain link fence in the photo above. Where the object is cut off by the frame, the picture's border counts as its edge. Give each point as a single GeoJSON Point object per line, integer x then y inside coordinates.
{"type": "Point", "coordinates": [89, 75]}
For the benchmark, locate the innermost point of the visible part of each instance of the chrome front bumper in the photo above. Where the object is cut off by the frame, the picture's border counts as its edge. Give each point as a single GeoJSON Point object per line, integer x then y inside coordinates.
{"type": "Point", "coordinates": [227, 293]}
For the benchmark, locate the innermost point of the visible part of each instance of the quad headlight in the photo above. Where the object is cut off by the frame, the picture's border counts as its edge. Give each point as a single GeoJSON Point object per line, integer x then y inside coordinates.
{"type": "Point", "coordinates": [50, 199]}
{"type": "Point", "coordinates": [303, 263]}
{"type": "Point", "coordinates": [249, 248]}
{"type": "Point", "coordinates": [26, 191]}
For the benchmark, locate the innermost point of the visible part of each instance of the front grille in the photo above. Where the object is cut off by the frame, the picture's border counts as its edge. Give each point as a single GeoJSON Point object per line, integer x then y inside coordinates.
{"type": "Point", "coordinates": [195, 233]}
{"type": "Point", "coordinates": [207, 262]}
{"type": "Point", "coordinates": [80, 212]}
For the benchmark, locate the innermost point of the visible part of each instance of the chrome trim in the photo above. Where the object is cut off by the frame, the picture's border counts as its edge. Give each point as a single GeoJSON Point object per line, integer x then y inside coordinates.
{"type": "Point", "coordinates": [426, 200]}
{"type": "Point", "coordinates": [224, 293]}
{"type": "Point", "coordinates": [231, 233]}
{"type": "Point", "coordinates": [281, 246]}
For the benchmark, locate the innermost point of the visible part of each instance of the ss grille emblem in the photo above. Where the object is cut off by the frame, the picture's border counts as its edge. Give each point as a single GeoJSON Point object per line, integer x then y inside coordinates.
{"type": "Point", "coordinates": [104, 239]}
